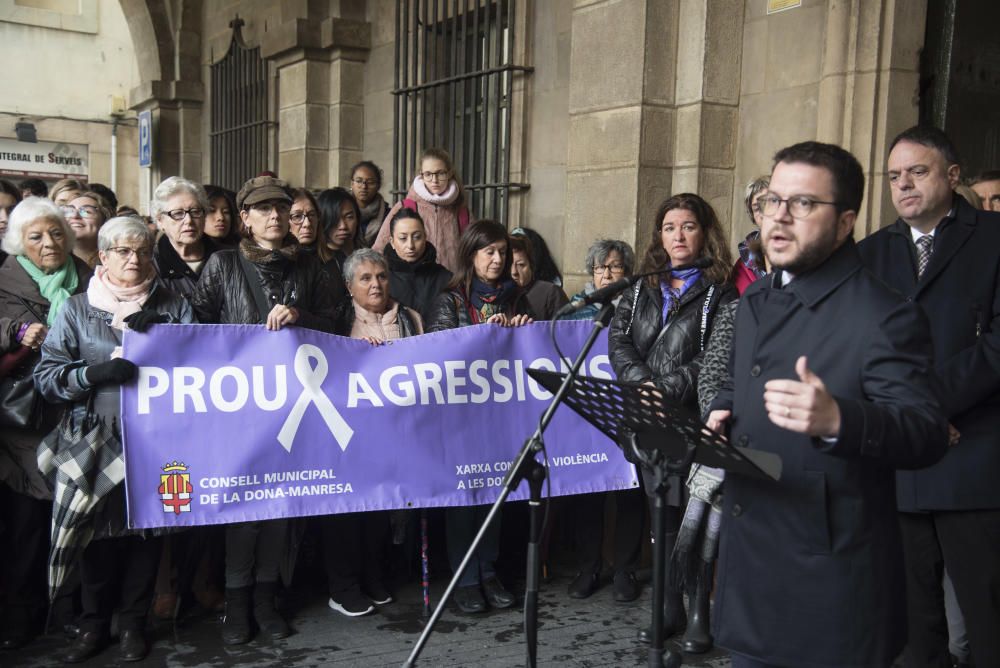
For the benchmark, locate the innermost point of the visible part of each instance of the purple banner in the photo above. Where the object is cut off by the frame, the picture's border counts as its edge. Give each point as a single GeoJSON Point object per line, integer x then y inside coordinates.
{"type": "Point", "coordinates": [232, 423]}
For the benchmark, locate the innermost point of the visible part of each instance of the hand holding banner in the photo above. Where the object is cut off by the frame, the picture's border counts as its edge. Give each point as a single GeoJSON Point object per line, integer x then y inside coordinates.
{"type": "Point", "coordinates": [433, 420]}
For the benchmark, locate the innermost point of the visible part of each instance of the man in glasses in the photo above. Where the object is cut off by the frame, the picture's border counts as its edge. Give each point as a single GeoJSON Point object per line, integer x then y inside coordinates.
{"type": "Point", "coordinates": [944, 255]}
{"type": "Point", "coordinates": [829, 371]}
{"type": "Point", "coordinates": [179, 207]}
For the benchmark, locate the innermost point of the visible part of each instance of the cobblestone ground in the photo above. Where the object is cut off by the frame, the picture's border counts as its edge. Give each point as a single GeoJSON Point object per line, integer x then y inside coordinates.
{"type": "Point", "coordinates": [590, 633]}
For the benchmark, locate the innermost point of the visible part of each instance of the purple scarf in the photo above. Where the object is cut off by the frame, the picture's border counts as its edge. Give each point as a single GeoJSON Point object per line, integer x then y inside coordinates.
{"type": "Point", "coordinates": [671, 295]}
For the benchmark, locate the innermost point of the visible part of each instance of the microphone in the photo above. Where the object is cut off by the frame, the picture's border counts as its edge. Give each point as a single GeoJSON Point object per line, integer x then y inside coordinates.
{"type": "Point", "coordinates": [622, 284]}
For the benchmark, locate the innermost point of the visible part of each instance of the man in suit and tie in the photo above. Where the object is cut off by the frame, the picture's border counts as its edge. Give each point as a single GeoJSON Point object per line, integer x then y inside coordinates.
{"type": "Point", "coordinates": [945, 255]}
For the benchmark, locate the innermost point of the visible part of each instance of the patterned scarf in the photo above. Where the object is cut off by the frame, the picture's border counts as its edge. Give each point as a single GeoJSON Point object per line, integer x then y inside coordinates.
{"type": "Point", "coordinates": [749, 258]}
{"type": "Point", "coordinates": [486, 300]}
{"type": "Point", "coordinates": [56, 287]}
{"type": "Point", "coordinates": [671, 295]}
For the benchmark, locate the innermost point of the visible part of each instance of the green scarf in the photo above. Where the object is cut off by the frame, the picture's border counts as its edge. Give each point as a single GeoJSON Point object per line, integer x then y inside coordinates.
{"type": "Point", "coordinates": [55, 287]}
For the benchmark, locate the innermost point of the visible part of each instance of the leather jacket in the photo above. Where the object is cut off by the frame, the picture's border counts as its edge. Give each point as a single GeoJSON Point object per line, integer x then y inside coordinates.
{"type": "Point", "coordinates": [642, 349]}
{"type": "Point", "coordinates": [224, 296]}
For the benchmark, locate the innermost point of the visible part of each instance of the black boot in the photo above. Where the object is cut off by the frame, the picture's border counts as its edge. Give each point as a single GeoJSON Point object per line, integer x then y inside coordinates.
{"type": "Point", "coordinates": [266, 614]}
{"type": "Point", "coordinates": [698, 638]}
{"type": "Point", "coordinates": [674, 617]}
{"type": "Point", "coordinates": [236, 624]}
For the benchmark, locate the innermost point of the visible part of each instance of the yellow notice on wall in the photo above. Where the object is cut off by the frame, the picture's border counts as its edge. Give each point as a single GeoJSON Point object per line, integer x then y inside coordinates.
{"type": "Point", "coordinates": [775, 6]}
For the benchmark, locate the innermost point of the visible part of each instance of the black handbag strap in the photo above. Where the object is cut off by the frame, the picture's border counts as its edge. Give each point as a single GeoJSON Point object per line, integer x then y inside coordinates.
{"type": "Point", "coordinates": [250, 274]}
{"type": "Point", "coordinates": [31, 309]}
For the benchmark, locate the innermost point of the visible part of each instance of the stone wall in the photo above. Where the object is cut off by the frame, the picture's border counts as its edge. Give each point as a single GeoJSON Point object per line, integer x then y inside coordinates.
{"type": "Point", "coordinates": [840, 72]}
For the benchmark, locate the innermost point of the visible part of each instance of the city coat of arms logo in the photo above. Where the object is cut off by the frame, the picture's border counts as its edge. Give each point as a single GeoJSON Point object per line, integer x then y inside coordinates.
{"type": "Point", "coordinates": [176, 488]}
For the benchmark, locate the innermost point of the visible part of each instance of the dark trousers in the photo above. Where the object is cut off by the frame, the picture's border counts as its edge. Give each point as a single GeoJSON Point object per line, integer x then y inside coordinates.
{"type": "Point", "coordinates": [254, 551]}
{"type": "Point", "coordinates": [25, 531]}
{"type": "Point", "coordinates": [354, 549]}
{"type": "Point", "coordinates": [740, 661]}
{"type": "Point", "coordinates": [588, 529]}
{"type": "Point", "coordinates": [967, 542]}
{"type": "Point", "coordinates": [118, 572]}
{"type": "Point", "coordinates": [461, 525]}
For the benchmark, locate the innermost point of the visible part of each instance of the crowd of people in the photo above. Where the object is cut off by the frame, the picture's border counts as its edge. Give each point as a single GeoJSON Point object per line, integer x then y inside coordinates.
{"type": "Point", "coordinates": [819, 553]}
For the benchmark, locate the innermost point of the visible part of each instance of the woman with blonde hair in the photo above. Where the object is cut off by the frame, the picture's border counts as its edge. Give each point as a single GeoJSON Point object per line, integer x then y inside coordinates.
{"type": "Point", "coordinates": [437, 195]}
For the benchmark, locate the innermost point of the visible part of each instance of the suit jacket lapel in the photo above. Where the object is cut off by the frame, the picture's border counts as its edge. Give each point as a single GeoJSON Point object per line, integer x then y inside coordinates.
{"type": "Point", "coordinates": [951, 238]}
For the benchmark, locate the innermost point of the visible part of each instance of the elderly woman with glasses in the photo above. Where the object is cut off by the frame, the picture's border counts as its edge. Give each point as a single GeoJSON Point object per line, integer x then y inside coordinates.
{"type": "Point", "coordinates": [607, 261]}
{"type": "Point", "coordinates": [437, 195]}
{"type": "Point", "coordinates": [38, 273]}
{"type": "Point", "coordinates": [85, 214]}
{"type": "Point", "coordinates": [82, 367]}
{"type": "Point", "coordinates": [752, 264]}
{"type": "Point", "coordinates": [268, 280]}
{"type": "Point", "coordinates": [179, 208]}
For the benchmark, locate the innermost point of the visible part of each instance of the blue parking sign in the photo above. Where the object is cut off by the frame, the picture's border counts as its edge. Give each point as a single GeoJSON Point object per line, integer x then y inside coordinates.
{"type": "Point", "coordinates": [145, 138]}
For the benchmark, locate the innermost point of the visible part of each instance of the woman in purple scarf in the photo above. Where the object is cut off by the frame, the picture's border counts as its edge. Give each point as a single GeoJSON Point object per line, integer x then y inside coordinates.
{"type": "Point", "coordinates": [659, 333]}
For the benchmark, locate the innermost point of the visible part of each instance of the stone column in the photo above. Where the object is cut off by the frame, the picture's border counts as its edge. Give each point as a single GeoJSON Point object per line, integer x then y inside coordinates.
{"type": "Point", "coordinates": [709, 49]}
{"type": "Point", "coordinates": [320, 97]}
{"type": "Point", "coordinates": [869, 89]}
{"type": "Point", "coordinates": [621, 123]}
{"type": "Point", "coordinates": [176, 110]}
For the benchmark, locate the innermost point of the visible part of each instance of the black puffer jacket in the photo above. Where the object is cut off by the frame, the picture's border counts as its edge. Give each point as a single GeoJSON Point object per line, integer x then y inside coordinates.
{"type": "Point", "coordinates": [642, 349]}
{"type": "Point", "coordinates": [416, 284]}
{"type": "Point", "coordinates": [224, 296]}
{"type": "Point", "coordinates": [173, 272]}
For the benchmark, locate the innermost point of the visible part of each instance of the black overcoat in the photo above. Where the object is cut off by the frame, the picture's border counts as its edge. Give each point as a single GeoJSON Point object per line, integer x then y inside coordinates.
{"type": "Point", "coordinates": [810, 567]}
{"type": "Point", "coordinates": [960, 292]}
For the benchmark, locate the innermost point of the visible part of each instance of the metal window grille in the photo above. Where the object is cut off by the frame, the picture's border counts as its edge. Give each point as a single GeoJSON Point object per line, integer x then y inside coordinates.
{"type": "Point", "coordinates": [240, 132]}
{"type": "Point", "coordinates": [452, 86]}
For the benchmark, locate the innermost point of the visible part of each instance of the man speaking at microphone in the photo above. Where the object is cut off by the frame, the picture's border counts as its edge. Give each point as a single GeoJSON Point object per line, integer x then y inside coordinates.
{"type": "Point", "coordinates": [832, 371]}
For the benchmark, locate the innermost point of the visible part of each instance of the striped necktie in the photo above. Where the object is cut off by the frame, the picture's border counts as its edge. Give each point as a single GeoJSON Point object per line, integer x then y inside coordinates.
{"type": "Point", "coordinates": [925, 246]}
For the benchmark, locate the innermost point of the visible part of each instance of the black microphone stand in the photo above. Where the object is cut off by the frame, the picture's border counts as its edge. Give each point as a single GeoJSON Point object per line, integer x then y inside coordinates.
{"type": "Point", "coordinates": [525, 468]}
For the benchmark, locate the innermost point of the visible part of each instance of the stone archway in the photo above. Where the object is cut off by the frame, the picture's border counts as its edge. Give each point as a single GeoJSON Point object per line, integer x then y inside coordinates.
{"type": "Point", "coordinates": [167, 39]}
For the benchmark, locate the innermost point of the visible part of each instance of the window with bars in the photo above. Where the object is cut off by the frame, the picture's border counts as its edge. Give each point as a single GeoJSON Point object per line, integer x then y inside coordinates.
{"type": "Point", "coordinates": [453, 86]}
{"type": "Point", "coordinates": [241, 132]}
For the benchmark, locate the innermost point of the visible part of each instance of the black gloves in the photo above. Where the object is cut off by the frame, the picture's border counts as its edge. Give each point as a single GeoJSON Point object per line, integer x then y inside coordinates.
{"type": "Point", "coordinates": [115, 371]}
{"type": "Point", "coordinates": [141, 321]}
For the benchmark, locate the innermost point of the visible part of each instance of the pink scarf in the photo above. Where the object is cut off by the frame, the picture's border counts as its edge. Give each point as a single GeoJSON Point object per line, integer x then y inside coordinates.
{"type": "Point", "coordinates": [444, 199]}
{"type": "Point", "coordinates": [118, 301]}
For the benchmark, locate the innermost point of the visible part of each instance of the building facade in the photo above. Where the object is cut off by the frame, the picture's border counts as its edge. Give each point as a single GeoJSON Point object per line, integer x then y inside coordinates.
{"type": "Point", "coordinates": [573, 117]}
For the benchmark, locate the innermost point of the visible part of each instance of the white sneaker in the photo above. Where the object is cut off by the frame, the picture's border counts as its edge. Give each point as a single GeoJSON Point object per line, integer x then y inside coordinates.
{"type": "Point", "coordinates": [351, 605]}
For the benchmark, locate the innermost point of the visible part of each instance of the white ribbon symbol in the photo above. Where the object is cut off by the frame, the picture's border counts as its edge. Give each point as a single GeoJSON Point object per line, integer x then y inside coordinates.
{"type": "Point", "coordinates": [311, 379]}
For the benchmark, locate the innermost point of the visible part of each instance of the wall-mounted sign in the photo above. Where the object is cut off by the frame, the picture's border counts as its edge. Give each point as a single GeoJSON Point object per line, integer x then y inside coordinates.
{"type": "Point", "coordinates": [774, 6]}
{"type": "Point", "coordinates": [44, 160]}
{"type": "Point", "coordinates": [145, 138]}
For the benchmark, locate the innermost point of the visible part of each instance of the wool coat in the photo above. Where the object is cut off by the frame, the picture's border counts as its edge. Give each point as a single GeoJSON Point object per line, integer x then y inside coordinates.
{"type": "Point", "coordinates": [810, 567]}
{"type": "Point", "coordinates": [960, 292]}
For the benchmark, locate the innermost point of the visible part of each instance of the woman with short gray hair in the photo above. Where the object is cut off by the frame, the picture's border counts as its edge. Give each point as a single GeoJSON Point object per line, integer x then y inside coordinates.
{"type": "Point", "coordinates": [179, 207]}
{"type": "Point", "coordinates": [607, 261]}
{"type": "Point", "coordinates": [37, 276]}
{"type": "Point", "coordinates": [752, 264]}
{"type": "Point", "coordinates": [354, 544]}
{"type": "Point", "coordinates": [82, 369]}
